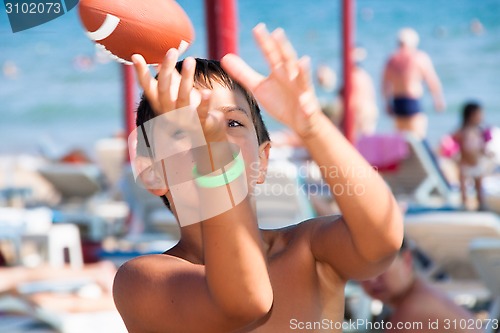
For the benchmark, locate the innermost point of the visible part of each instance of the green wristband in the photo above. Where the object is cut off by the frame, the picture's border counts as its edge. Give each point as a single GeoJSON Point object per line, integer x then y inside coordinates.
{"type": "Point", "coordinates": [223, 179]}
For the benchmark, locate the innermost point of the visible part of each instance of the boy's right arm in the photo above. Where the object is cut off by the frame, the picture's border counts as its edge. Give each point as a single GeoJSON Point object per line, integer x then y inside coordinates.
{"type": "Point", "coordinates": [160, 293]}
{"type": "Point", "coordinates": [232, 288]}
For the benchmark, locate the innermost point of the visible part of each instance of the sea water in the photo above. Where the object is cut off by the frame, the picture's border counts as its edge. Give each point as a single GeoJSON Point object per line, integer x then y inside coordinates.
{"type": "Point", "coordinates": [52, 90]}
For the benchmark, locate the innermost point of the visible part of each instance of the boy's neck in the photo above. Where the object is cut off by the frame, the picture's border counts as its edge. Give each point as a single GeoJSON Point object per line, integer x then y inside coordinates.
{"type": "Point", "coordinates": [190, 246]}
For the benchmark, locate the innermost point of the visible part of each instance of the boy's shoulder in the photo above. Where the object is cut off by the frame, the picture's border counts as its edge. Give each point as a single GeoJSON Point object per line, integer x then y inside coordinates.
{"type": "Point", "coordinates": [294, 236]}
{"type": "Point", "coordinates": [294, 241]}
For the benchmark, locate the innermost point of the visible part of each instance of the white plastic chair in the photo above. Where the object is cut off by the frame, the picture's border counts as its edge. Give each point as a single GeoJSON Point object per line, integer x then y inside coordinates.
{"type": "Point", "coordinates": [16, 223]}
{"type": "Point", "coordinates": [61, 237]}
{"type": "Point", "coordinates": [55, 241]}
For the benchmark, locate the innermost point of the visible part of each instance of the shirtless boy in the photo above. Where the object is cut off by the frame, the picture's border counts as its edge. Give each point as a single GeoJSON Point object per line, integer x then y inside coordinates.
{"type": "Point", "coordinates": [226, 275]}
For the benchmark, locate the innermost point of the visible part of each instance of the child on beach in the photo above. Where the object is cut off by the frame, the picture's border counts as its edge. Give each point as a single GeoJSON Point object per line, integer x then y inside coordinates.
{"type": "Point", "coordinates": [226, 275]}
{"type": "Point", "coordinates": [415, 305]}
{"type": "Point", "coordinates": [472, 139]}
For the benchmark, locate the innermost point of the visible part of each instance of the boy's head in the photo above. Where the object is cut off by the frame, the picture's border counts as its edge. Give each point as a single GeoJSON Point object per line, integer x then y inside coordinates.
{"type": "Point", "coordinates": [245, 125]}
{"type": "Point", "coordinates": [472, 114]}
{"type": "Point", "coordinates": [395, 281]}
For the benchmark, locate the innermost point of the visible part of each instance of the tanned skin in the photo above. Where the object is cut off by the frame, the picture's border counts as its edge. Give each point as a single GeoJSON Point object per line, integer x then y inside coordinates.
{"type": "Point", "coordinates": [226, 275]}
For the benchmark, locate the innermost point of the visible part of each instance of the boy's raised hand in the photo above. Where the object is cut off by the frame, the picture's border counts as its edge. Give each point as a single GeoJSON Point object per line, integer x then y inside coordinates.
{"type": "Point", "coordinates": [172, 91]}
{"type": "Point", "coordinates": [287, 93]}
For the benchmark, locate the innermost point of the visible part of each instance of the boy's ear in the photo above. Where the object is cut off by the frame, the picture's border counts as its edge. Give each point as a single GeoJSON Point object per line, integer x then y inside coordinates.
{"type": "Point", "coordinates": [149, 177]}
{"type": "Point", "coordinates": [264, 161]}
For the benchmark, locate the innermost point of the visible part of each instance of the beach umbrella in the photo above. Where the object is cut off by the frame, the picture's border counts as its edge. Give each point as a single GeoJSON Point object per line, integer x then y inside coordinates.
{"type": "Point", "coordinates": [348, 32]}
{"type": "Point", "coordinates": [222, 27]}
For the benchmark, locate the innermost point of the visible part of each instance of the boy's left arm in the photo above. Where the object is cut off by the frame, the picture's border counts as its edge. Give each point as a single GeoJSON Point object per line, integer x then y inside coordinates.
{"type": "Point", "coordinates": [364, 241]}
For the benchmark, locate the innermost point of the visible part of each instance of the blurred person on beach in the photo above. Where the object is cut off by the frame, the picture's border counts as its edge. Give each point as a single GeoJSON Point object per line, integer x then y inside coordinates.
{"type": "Point", "coordinates": [411, 299]}
{"type": "Point", "coordinates": [404, 73]}
{"type": "Point", "coordinates": [94, 281]}
{"type": "Point", "coordinates": [364, 101]}
{"type": "Point", "coordinates": [226, 275]}
{"type": "Point", "coordinates": [474, 162]}
{"type": "Point", "coordinates": [10, 70]}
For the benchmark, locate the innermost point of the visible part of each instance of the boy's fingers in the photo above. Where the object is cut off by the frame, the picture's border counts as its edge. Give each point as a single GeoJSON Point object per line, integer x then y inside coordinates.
{"type": "Point", "coordinates": [241, 72]}
{"type": "Point", "coordinates": [147, 82]}
{"type": "Point", "coordinates": [304, 76]}
{"type": "Point", "coordinates": [187, 81]}
{"type": "Point", "coordinates": [166, 96]}
{"type": "Point", "coordinates": [268, 45]}
{"type": "Point", "coordinates": [211, 121]}
{"type": "Point", "coordinates": [204, 105]}
{"type": "Point", "coordinates": [288, 54]}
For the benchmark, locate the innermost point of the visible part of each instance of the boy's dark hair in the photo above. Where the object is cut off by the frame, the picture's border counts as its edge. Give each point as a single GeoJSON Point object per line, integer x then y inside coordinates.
{"type": "Point", "coordinates": [207, 72]}
{"type": "Point", "coordinates": [470, 108]}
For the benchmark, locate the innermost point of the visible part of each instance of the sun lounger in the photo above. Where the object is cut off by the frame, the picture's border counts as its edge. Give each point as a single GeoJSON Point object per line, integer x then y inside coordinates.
{"type": "Point", "coordinates": [491, 188]}
{"type": "Point", "coordinates": [73, 181]}
{"type": "Point", "coordinates": [445, 238]}
{"type": "Point", "coordinates": [62, 322]}
{"type": "Point", "coordinates": [83, 202]}
{"type": "Point", "coordinates": [110, 156]}
{"type": "Point", "coordinates": [419, 178]}
{"type": "Point", "coordinates": [150, 215]}
{"type": "Point", "coordinates": [485, 253]}
{"type": "Point", "coordinates": [68, 301]}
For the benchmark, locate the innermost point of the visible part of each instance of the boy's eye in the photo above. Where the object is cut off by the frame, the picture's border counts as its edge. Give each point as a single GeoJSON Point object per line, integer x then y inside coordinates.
{"type": "Point", "coordinates": [179, 134]}
{"type": "Point", "coordinates": [233, 123]}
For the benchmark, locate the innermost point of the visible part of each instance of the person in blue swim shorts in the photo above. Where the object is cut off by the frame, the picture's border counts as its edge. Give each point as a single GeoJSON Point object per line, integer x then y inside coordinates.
{"type": "Point", "coordinates": [403, 78]}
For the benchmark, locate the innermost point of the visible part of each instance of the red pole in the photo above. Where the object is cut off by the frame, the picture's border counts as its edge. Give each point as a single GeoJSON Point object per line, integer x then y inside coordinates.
{"type": "Point", "coordinates": [222, 27]}
{"type": "Point", "coordinates": [348, 65]}
{"type": "Point", "coordinates": [129, 101]}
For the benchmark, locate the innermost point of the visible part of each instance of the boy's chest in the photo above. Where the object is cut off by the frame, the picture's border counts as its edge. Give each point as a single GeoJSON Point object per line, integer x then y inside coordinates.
{"type": "Point", "coordinates": [303, 294]}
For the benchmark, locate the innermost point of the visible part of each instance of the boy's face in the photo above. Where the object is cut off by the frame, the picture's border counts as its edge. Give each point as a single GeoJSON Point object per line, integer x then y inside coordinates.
{"type": "Point", "coordinates": [240, 128]}
{"type": "Point", "coordinates": [241, 132]}
{"type": "Point", "coordinates": [393, 282]}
